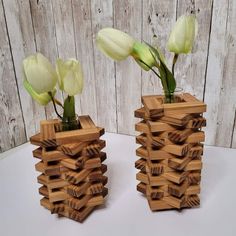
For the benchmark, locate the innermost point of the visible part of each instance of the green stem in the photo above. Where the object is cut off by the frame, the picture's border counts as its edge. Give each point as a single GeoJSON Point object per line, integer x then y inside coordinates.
{"type": "Point", "coordinates": [54, 105]}
{"type": "Point", "coordinates": [151, 69]}
{"type": "Point", "coordinates": [174, 62]}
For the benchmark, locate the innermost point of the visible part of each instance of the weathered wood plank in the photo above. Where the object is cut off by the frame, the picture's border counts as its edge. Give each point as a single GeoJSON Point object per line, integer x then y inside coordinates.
{"type": "Point", "coordinates": [45, 36]}
{"type": "Point", "coordinates": [158, 18]}
{"type": "Point", "coordinates": [191, 68]}
{"type": "Point", "coordinates": [128, 17]}
{"type": "Point", "coordinates": [84, 49]}
{"type": "Point", "coordinates": [22, 42]}
{"type": "Point", "coordinates": [65, 35]}
{"type": "Point", "coordinates": [102, 16]}
{"type": "Point", "coordinates": [12, 130]}
{"type": "Point", "coordinates": [220, 92]}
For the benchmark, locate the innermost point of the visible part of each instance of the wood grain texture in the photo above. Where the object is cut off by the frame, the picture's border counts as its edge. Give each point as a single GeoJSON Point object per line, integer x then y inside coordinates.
{"type": "Point", "coordinates": [21, 37]}
{"type": "Point", "coordinates": [220, 91]}
{"type": "Point", "coordinates": [102, 16]}
{"type": "Point", "coordinates": [65, 35]}
{"type": "Point", "coordinates": [128, 17]}
{"type": "Point", "coordinates": [191, 68]}
{"type": "Point", "coordinates": [84, 49]}
{"type": "Point", "coordinates": [158, 18]}
{"type": "Point", "coordinates": [45, 36]}
{"type": "Point", "coordinates": [68, 29]}
{"type": "Point", "coordinates": [12, 130]}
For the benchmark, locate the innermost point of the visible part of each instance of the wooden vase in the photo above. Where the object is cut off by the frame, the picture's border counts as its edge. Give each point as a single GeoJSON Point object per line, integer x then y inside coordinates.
{"type": "Point", "coordinates": [71, 168]}
{"type": "Point", "coordinates": [171, 151]}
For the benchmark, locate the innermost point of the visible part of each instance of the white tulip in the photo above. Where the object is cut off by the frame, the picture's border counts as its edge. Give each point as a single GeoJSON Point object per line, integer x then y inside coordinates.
{"type": "Point", "coordinates": [39, 73]}
{"type": "Point", "coordinates": [183, 34]}
{"type": "Point", "coordinates": [70, 76]}
{"type": "Point", "coordinates": [115, 43]}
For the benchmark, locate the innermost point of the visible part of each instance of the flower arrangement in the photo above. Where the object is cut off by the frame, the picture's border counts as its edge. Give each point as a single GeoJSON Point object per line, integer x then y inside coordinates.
{"type": "Point", "coordinates": [119, 45]}
{"type": "Point", "coordinates": [41, 78]}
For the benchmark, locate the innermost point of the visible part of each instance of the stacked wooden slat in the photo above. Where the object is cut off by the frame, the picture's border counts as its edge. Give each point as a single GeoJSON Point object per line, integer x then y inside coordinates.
{"type": "Point", "coordinates": [171, 151]}
{"type": "Point", "coordinates": [71, 166]}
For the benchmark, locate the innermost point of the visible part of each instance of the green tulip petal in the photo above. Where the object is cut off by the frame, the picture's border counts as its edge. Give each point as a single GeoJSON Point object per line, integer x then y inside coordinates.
{"type": "Point", "coordinates": [42, 99]}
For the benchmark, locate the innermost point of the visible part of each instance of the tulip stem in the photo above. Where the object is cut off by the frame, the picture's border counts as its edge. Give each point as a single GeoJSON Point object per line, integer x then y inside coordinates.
{"type": "Point", "coordinates": [151, 69]}
{"type": "Point", "coordinates": [54, 105]}
{"type": "Point", "coordinates": [174, 62]}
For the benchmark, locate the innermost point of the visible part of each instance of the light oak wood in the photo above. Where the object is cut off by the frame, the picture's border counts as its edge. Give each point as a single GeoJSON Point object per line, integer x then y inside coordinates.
{"type": "Point", "coordinates": [171, 151]}
{"type": "Point", "coordinates": [70, 163]}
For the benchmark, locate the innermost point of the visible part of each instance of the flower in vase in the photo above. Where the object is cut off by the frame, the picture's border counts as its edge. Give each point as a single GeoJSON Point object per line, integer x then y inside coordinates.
{"type": "Point", "coordinates": [39, 73]}
{"type": "Point", "coordinates": [115, 43]}
{"type": "Point", "coordinates": [143, 56]}
{"type": "Point", "coordinates": [42, 98]}
{"type": "Point", "coordinates": [183, 34]}
{"type": "Point", "coordinates": [70, 76]}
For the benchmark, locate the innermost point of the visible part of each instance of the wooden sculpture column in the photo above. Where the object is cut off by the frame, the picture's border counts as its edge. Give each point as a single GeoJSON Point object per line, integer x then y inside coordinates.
{"type": "Point", "coordinates": [71, 168]}
{"type": "Point", "coordinates": [171, 151]}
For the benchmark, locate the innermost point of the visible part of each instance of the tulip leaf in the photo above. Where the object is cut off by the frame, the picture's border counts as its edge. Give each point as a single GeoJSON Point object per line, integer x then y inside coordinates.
{"type": "Point", "coordinates": [167, 78]}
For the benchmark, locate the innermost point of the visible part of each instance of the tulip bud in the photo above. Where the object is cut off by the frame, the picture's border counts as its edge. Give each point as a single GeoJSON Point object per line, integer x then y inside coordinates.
{"type": "Point", "coordinates": [142, 55]}
{"type": "Point", "coordinates": [42, 99]}
{"type": "Point", "coordinates": [183, 34]}
{"type": "Point", "coordinates": [114, 43]}
{"type": "Point", "coordinates": [70, 76]}
{"type": "Point", "coordinates": [39, 73]}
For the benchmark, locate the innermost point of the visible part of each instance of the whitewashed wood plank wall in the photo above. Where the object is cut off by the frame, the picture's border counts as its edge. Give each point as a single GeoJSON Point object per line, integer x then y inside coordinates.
{"type": "Point", "coordinates": [67, 28]}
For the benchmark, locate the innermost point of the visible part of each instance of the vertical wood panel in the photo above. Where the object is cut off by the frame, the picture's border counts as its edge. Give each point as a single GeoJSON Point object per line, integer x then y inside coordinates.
{"type": "Point", "coordinates": [128, 17]}
{"type": "Point", "coordinates": [65, 35]}
{"type": "Point", "coordinates": [191, 68]}
{"type": "Point", "coordinates": [220, 90]}
{"type": "Point", "coordinates": [12, 130]}
{"type": "Point", "coordinates": [84, 48]}
{"type": "Point", "coordinates": [22, 42]}
{"type": "Point", "coordinates": [102, 16]}
{"type": "Point", "coordinates": [45, 35]}
{"type": "Point", "coordinates": [158, 18]}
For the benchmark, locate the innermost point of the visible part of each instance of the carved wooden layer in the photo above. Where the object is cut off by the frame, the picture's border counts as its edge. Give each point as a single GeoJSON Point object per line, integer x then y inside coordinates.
{"type": "Point", "coordinates": [170, 151]}
{"type": "Point", "coordinates": [71, 167]}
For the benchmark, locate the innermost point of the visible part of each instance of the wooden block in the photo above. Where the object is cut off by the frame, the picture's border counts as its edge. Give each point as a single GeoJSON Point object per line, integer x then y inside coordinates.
{"type": "Point", "coordinates": [73, 148]}
{"type": "Point", "coordinates": [178, 189]}
{"type": "Point", "coordinates": [35, 139]}
{"type": "Point", "coordinates": [140, 113]}
{"type": "Point", "coordinates": [76, 177]}
{"type": "Point", "coordinates": [86, 122]}
{"type": "Point", "coordinates": [196, 123]}
{"type": "Point", "coordinates": [77, 215]}
{"type": "Point", "coordinates": [53, 155]}
{"type": "Point", "coordinates": [178, 163]}
{"type": "Point", "coordinates": [176, 119]}
{"type": "Point", "coordinates": [184, 108]}
{"type": "Point", "coordinates": [53, 183]}
{"type": "Point", "coordinates": [156, 126]}
{"type": "Point", "coordinates": [153, 155]}
{"type": "Point", "coordinates": [141, 187]}
{"type": "Point", "coordinates": [174, 201]}
{"type": "Point", "coordinates": [178, 136]}
{"type": "Point", "coordinates": [179, 150]}
{"type": "Point", "coordinates": [142, 127]}
{"type": "Point", "coordinates": [95, 201]}
{"type": "Point", "coordinates": [48, 133]}
{"type": "Point", "coordinates": [192, 201]}
{"type": "Point", "coordinates": [53, 207]}
{"type": "Point", "coordinates": [79, 135]}
{"type": "Point", "coordinates": [37, 153]}
{"type": "Point", "coordinates": [78, 203]}
{"type": "Point", "coordinates": [176, 177]}
{"type": "Point", "coordinates": [196, 137]}
{"type": "Point", "coordinates": [158, 205]}
{"type": "Point", "coordinates": [152, 105]}
{"type": "Point", "coordinates": [48, 170]}
{"type": "Point", "coordinates": [193, 190]}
